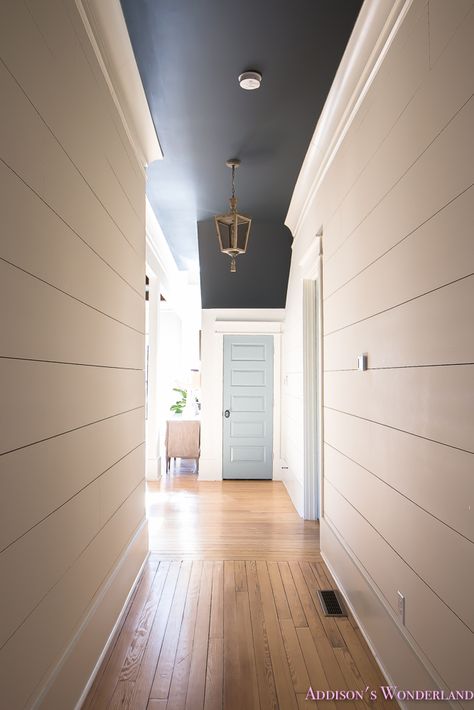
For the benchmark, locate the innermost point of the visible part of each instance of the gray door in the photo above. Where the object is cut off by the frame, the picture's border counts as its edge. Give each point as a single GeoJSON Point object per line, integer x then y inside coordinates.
{"type": "Point", "coordinates": [248, 406]}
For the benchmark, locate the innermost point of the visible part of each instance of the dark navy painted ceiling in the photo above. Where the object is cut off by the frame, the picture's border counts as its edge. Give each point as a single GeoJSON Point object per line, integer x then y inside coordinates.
{"type": "Point", "coordinates": [190, 53]}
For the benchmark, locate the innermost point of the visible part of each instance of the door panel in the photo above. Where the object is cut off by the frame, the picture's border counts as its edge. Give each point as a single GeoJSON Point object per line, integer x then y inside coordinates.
{"type": "Point", "coordinates": [248, 406]}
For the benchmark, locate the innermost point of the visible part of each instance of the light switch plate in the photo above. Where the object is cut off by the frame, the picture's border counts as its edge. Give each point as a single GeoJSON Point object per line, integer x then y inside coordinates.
{"type": "Point", "coordinates": [362, 362]}
{"type": "Point", "coordinates": [401, 606]}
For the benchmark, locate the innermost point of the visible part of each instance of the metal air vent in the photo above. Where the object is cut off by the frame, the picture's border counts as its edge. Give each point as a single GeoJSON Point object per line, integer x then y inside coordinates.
{"type": "Point", "coordinates": [331, 602]}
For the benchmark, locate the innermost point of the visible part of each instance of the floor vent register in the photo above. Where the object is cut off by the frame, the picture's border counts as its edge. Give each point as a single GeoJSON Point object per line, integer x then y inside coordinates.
{"type": "Point", "coordinates": [331, 602]}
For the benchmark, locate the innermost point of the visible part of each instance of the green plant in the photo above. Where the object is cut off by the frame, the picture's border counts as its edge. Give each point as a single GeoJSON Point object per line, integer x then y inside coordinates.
{"type": "Point", "coordinates": [180, 404]}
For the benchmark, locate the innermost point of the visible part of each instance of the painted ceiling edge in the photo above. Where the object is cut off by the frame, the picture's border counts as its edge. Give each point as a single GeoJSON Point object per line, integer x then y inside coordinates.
{"type": "Point", "coordinates": [156, 242]}
{"type": "Point", "coordinates": [105, 26]}
{"type": "Point", "coordinates": [374, 31]}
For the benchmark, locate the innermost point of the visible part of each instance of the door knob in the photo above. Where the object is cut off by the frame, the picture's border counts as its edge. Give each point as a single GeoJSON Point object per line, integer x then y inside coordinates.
{"type": "Point", "coordinates": [226, 414]}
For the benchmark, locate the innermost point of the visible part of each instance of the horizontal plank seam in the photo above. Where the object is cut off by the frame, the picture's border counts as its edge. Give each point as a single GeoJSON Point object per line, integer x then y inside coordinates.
{"type": "Point", "coordinates": [69, 295]}
{"type": "Point", "coordinates": [70, 431]}
{"type": "Point", "coordinates": [403, 431]}
{"type": "Point", "coordinates": [397, 305]}
{"type": "Point", "coordinates": [83, 240]}
{"type": "Point", "coordinates": [96, 478]}
{"type": "Point", "coordinates": [25, 619]}
{"type": "Point", "coordinates": [401, 367]}
{"type": "Point", "coordinates": [400, 241]}
{"type": "Point", "coordinates": [75, 364]}
{"type": "Point", "coordinates": [56, 139]}
{"type": "Point", "coordinates": [125, 193]}
{"type": "Point", "coordinates": [379, 478]}
{"type": "Point", "coordinates": [419, 156]}
{"type": "Point", "coordinates": [464, 623]}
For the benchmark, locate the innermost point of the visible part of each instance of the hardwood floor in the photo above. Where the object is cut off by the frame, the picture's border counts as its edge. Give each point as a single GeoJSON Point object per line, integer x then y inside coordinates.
{"type": "Point", "coordinates": [226, 614]}
{"type": "Point", "coordinates": [227, 519]}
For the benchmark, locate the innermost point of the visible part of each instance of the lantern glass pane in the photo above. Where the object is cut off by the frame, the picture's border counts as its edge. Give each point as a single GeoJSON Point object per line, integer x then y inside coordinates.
{"type": "Point", "coordinates": [242, 230]}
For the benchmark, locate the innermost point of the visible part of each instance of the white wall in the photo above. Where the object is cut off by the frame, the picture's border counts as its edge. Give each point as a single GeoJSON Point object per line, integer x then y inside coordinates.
{"type": "Point", "coordinates": [72, 263]}
{"type": "Point", "coordinates": [174, 326]}
{"type": "Point", "coordinates": [395, 200]}
{"type": "Point", "coordinates": [216, 322]}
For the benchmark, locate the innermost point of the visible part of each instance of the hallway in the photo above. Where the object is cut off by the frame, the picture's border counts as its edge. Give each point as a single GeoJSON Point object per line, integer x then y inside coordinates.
{"type": "Point", "coordinates": [226, 613]}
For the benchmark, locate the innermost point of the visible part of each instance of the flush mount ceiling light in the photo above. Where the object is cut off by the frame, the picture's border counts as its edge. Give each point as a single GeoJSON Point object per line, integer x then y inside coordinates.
{"type": "Point", "coordinates": [250, 80]}
{"type": "Point", "coordinates": [233, 229]}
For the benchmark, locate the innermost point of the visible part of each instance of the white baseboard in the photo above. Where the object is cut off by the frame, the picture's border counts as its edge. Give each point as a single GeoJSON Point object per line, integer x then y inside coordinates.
{"type": "Point", "coordinates": [401, 663]}
{"type": "Point", "coordinates": [295, 490]}
{"type": "Point", "coordinates": [69, 682]}
{"type": "Point", "coordinates": [210, 470]}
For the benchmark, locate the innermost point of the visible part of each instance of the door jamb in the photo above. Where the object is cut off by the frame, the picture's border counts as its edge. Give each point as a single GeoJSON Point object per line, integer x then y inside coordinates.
{"type": "Point", "coordinates": [313, 382]}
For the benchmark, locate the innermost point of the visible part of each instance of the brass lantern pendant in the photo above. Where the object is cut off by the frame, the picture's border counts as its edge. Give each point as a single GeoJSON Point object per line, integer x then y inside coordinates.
{"type": "Point", "coordinates": [233, 229]}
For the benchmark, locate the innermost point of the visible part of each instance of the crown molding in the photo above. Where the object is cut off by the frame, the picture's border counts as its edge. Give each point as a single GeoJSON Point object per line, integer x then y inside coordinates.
{"type": "Point", "coordinates": [374, 31]}
{"type": "Point", "coordinates": [105, 26]}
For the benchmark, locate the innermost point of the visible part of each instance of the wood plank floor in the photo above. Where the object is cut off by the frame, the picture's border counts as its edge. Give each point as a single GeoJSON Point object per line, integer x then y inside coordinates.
{"type": "Point", "coordinates": [227, 519]}
{"type": "Point", "coordinates": [212, 627]}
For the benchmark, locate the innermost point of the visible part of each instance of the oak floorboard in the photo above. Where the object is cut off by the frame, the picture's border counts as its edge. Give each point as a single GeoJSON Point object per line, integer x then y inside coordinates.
{"type": "Point", "coordinates": [104, 683]}
{"type": "Point", "coordinates": [317, 676]}
{"type": "Point", "coordinates": [214, 674]}
{"type": "Point", "coordinates": [281, 602]}
{"type": "Point", "coordinates": [248, 679]}
{"type": "Point", "coordinates": [136, 649]}
{"type": "Point", "coordinates": [164, 670]}
{"type": "Point", "coordinates": [180, 679]}
{"type": "Point", "coordinates": [122, 695]}
{"type": "Point", "coordinates": [216, 629]}
{"type": "Point", "coordinates": [232, 672]}
{"type": "Point", "coordinates": [352, 675]}
{"type": "Point", "coordinates": [263, 662]}
{"type": "Point", "coordinates": [197, 671]}
{"type": "Point", "coordinates": [149, 660]}
{"type": "Point", "coordinates": [281, 670]}
{"type": "Point", "coordinates": [296, 662]}
{"type": "Point", "coordinates": [294, 603]}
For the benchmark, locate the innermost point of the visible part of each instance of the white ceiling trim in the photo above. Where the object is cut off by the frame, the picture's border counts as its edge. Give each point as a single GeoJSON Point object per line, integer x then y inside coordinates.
{"type": "Point", "coordinates": [105, 26]}
{"type": "Point", "coordinates": [157, 244]}
{"type": "Point", "coordinates": [374, 31]}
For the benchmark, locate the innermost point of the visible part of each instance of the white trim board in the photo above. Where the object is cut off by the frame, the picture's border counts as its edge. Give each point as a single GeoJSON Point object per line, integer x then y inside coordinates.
{"type": "Point", "coordinates": [105, 26]}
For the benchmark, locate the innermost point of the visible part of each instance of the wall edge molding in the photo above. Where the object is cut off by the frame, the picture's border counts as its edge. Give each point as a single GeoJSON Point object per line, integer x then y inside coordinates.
{"type": "Point", "coordinates": [105, 26]}
{"type": "Point", "coordinates": [372, 36]}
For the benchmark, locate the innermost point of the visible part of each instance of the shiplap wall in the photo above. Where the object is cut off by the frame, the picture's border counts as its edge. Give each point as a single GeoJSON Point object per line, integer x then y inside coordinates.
{"type": "Point", "coordinates": [72, 256]}
{"type": "Point", "coordinates": [397, 211]}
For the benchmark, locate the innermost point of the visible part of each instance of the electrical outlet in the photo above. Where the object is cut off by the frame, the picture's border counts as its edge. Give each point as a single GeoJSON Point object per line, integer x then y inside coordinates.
{"type": "Point", "coordinates": [401, 606]}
